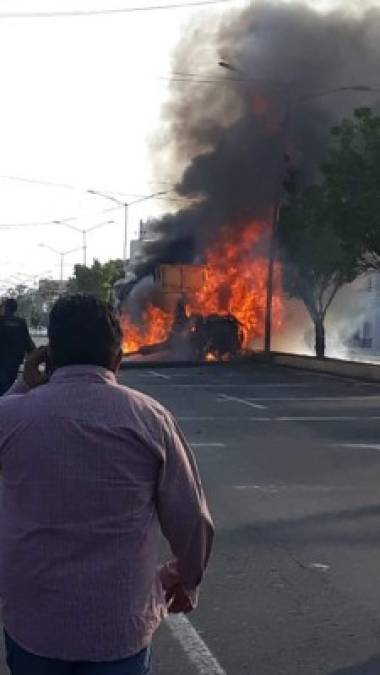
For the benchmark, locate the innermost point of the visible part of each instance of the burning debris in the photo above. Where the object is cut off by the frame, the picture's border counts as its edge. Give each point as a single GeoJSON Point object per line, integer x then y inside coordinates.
{"type": "Point", "coordinates": [218, 311]}
{"type": "Point", "coordinates": [227, 139]}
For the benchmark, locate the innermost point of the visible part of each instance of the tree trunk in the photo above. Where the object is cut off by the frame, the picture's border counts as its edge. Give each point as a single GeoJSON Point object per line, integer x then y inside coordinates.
{"type": "Point", "coordinates": [320, 337]}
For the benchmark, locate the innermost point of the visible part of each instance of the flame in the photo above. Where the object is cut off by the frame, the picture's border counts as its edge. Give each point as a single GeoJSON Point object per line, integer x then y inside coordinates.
{"type": "Point", "coordinates": [156, 325]}
{"type": "Point", "coordinates": [235, 283]}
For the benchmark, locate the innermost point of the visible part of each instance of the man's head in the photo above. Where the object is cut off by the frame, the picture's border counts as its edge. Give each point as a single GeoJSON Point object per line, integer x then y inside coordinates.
{"type": "Point", "coordinates": [10, 307]}
{"type": "Point", "coordinates": [84, 330]}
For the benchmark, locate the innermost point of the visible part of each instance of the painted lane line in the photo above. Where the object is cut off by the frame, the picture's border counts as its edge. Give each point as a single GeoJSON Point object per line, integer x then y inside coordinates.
{"type": "Point", "coordinates": [328, 419]}
{"type": "Point", "coordinates": [192, 644]}
{"type": "Point", "coordinates": [358, 446]}
{"type": "Point", "coordinates": [222, 418]}
{"type": "Point", "coordinates": [259, 488]}
{"type": "Point", "coordinates": [295, 487]}
{"type": "Point", "coordinates": [161, 375]}
{"type": "Point", "coordinates": [321, 567]}
{"type": "Point", "coordinates": [242, 385]}
{"type": "Point", "coordinates": [317, 398]}
{"type": "Point", "coordinates": [224, 398]}
{"type": "Point", "coordinates": [361, 418]}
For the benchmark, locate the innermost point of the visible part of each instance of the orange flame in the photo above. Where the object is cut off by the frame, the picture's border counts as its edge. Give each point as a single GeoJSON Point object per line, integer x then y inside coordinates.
{"type": "Point", "coordinates": [156, 328]}
{"type": "Point", "coordinates": [235, 283]}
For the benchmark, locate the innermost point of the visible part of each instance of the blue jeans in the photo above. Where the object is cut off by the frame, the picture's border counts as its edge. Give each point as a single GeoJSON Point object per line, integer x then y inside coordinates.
{"type": "Point", "coordinates": [21, 662]}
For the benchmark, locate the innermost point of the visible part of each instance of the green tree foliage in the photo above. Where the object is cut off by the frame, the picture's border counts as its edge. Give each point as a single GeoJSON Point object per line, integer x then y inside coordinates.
{"type": "Point", "coordinates": [330, 233]}
{"type": "Point", "coordinates": [317, 261]}
{"type": "Point", "coordinates": [30, 305]}
{"type": "Point", "coordinates": [351, 175]}
{"type": "Point", "coordinates": [97, 279]}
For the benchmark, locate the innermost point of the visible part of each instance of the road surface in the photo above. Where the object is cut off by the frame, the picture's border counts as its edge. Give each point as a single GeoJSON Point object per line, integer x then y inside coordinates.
{"type": "Point", "coordinates": [291, 465]}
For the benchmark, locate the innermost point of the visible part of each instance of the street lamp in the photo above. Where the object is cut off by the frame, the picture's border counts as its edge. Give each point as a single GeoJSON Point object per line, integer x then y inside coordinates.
{"type": "Point", "coordinates": [125, 205]}
{"type": "Point", "coordinates": [83, 232]}
{"type": "Point", "coordinates": [359, 88]}
{"type": "Point", "coordinates": [62, 255]}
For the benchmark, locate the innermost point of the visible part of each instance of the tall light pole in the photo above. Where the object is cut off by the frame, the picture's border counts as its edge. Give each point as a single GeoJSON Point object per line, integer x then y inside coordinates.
{"type": "Point", "coordinates": [83, 232]}
{"type": "Point", "coordinates": [125, 205]}
{"type": "Point", "coordinates": [62, 255]}
{"type": "Point", "coordinates": [358, 88]}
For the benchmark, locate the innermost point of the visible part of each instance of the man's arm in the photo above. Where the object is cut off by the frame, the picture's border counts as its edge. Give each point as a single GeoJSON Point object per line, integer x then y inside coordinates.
{"type": "Point", "coordinates": [32, 376]}
{"type": "Point", "coordinates": [184, 518]}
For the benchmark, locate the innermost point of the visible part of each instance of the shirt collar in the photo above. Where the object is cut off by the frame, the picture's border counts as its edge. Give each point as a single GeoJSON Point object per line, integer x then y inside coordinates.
{"type": "Point", "coordinates": [83, 373]}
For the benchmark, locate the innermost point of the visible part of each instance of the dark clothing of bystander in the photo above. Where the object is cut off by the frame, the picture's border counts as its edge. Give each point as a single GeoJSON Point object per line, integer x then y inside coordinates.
{"type": "Point", "coordinates": [15, 342]}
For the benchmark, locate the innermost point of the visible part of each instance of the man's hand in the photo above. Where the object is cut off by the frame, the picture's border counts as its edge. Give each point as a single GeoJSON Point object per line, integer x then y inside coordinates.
{"type": "Point", "coordinates": [33, 376]}
{"type": "Point", "coordinates": [178, 600]}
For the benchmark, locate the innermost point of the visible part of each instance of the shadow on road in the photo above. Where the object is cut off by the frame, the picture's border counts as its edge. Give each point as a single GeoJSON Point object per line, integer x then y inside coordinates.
{"type": "Point", "coordinates": [323, 528]}
{"type": "Point", "coordinates": [371, 667]}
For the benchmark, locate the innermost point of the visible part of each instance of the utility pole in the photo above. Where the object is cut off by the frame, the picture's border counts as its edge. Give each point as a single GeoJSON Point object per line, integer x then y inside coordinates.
{"type": "Point", "coordinates": [125, 243]}
{"type": "Point", "coordinates": [273, 233]}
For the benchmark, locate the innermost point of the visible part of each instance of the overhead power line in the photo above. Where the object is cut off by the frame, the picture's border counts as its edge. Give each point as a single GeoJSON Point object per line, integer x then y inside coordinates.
{"type": "Point", "coordinates": [11, 226]}
{"type": "Point", "coordinates": [102, 12]}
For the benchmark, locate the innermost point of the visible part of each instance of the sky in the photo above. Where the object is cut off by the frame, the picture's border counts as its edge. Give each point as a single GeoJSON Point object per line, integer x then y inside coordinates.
{"type": "Point", "coordinates": [81, 99]}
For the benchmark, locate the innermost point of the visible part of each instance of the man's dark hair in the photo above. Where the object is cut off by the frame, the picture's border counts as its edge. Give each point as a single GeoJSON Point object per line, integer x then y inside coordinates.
{"type": "Point", "coordinates": [10, 306]}
{"type": "Point", "coordinates": [83, 330]}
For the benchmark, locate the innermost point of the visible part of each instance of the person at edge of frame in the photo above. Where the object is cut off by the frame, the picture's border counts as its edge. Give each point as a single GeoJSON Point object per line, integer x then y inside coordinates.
{"type": "Point", "coordinates": [15, 343]}
{"type": "Point", "coordinates": [92, 471]}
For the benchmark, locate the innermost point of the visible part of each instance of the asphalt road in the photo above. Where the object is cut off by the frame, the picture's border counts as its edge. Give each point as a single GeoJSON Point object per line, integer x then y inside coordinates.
{"type": "Point", "coordinates": [291, 465]}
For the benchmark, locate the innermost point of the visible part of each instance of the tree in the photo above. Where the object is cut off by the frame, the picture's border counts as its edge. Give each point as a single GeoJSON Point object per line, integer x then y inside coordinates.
{"type": "Point", "coordinates": [351, 175]}
{"type": "Point", "coordinates": [317, 260]}
{"type": "Point", "coordinates": [331, 233]}
{"type": "Point", "coordinates": [29, 305]}
{"type": "Point", "coordinates": [97, 279]}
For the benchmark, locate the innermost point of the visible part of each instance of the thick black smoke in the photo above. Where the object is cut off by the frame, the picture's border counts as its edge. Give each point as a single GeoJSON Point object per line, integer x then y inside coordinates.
{"type": "Point", "coordinates": [226, 141]}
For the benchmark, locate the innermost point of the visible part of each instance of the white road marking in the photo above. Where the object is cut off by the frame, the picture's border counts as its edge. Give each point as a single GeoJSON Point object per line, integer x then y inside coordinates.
{"type": "Point", "coordinates": [161, 375]}
{"type": "Point", "coordinates": [363, 418]}
{"type": "Point", "coordinates": [194, 647]}
{"type": "Point", "coordinates": [320, 566]}
{"type": "Point", "coordinates": [223, 398]}
{"type": "Point", "coordinates": [317, 398]}
{"type": "Point", "coordinates": [297, 487]}
{"type": "Point", "coordinates": [242, 385]}
{"type": "Point", "coordinates": [356, 418]}
{"type": "Point", "coordinates": [260, 488]}
{"type": "Point", "coordinates": [358, 446]}
{"type": "Point", "coordinates": [208, 445]}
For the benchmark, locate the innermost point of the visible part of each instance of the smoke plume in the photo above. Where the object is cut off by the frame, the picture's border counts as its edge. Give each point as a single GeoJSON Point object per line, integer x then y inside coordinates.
{"type": "Point", "coordinates": [222, 143]}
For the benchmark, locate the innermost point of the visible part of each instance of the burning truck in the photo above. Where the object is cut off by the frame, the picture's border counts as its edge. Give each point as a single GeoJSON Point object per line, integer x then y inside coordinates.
{"type": "Point", "coordinates": [206, 312]}
{"type": "Point", "coordinates": [191, 335]}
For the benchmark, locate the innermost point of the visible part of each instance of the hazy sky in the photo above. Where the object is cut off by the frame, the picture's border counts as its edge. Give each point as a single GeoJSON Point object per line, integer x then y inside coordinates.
{"type": "Point", "coordinates": [80, 98]}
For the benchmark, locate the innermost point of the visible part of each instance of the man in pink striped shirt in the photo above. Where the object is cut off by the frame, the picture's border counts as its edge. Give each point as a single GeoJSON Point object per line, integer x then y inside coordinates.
{"type": "Point", "coordinates": [91, 472]}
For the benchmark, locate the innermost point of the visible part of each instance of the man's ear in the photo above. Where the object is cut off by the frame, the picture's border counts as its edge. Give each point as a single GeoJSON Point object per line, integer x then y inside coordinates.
{"type": "Point", "coordinates": [117, 361]}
